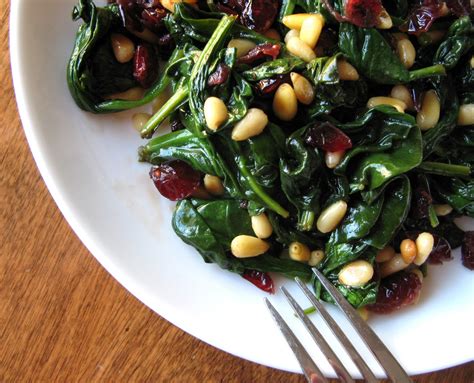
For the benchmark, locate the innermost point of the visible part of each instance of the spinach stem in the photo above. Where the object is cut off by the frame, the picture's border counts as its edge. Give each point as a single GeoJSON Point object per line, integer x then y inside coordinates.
{"type": "Point", "coordinates": [306, 221]}
{"type": "Point", "coordinates": [427, 72]}
{"type": "Point", "coordinates": [443, 169]}
{"type": "Point", "coordinates": [175, 101]}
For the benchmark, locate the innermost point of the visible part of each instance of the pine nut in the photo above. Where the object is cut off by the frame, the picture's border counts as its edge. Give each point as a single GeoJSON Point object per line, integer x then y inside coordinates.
{"type": "Point", "coordinates": [311, 29]}
{"type": "Point", "coordinates": [251, 125]}
{"type": "Point", "coordinates": [442, 210]}
{"type": "Point", "coordinates": [213, 185]}
{"type": "Point", "coordinates": [299, 252]}
{"type": "Point", "coordinates": [408, 250]}
{"type": "Point", "coordinates": [303, 89]}
{"type": "Point", "coordinates": [424, 246]}
{"type": "Point", "coordinates": [123, 47]}
{"type": "Point", "coordinates": [139, 120]}
{"type": "Point", "coordinates": [246, 246]}
{"type": "Point", "coordinates": [401, 92]}
{"type": "Point", "coordinates": [215, 113]}
{"type": "Point", "coordinates": [385, 21]}
{"type": "Point", "coordinates": [132, 94]}
{"type": "Point", "coordinates": [471, 61]}
{"type": "Point", "coordinates": [291, 33]}
{"type": "Point", "coordinates": [384, 255]}
{"type": "Point", "coordinates": [299, 48]}
{"type": "Point", "coordinates": [333, 159]}
{"type": "Point", "coordinates": [466, 115]}
{"type": "Point", "coordinates": [397, 104]}
{"type": "Point", "coordinates": [428, 116]}
{"type": "Point", "coordinates": [392, 266]}
{"type": "Point", "coordinates": [316, 257]}
{"type": "Point", "coordinates": [272, 34]}
{"type": "Point", "coordinates": [261, 226]}
{"type": "Point", "coordinates": [406, 52]}
{"type": "Point", "coordinates": [331, 216]}
{"type": "Point", "coordinates": [356, 273]}
{"type": "Point", "coordinates": [296, 20]}
{"type": "Point", "coordinates": [364, 313]}
{"type": "Point", "coordinates": [168, 4]}
{"type": "Point", "coordinates": [285, 103]}
{"type": "Point", "coordinates": [346, 71]}
{"type": "Point", "coordinates": [243, 46]}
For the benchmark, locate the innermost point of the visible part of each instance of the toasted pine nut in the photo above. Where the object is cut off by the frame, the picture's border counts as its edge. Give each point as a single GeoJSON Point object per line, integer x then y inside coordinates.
{"type": "Point", "coordinates": [243, 46]}
{"type": "Point", "coordinates": [428, 116]}
{"type": "Point", "coordinates": [291, 33]}
{"type": "Point", "coordinates": [168, 4]}
{"type": "Point", "coordinates": [285, 103]}
{"type": "Point", "coordinates": [215, 113]}
{"type": "Point", "coordinates": [316, 257]}
{"type": "Point", "coordinates": [356, 273]}
{"type": "Point", "coordinates": [466, 115]}
{"type": "Point", "coordinates": [299, 48]}
{"type": "Point", "coordinates": [296, 20]}
{"type": "Point", "coordinates": [364, 313]}
{"type": "Point", "coordinates": [213, 185]}
{"type": "Point", "coordinates": [331, 216]}
{"type": "Point", "coordinates": [442, 210]}
{"type": "Point", "coordinates": [397, 104]}
{"type": "Point", "coordinates": [251, 125]}
{"type": "Point", "coordinates": [123, 47]}
{"type": "Point", "coordinates": [299, 252]}
{"type": "Point", "coordinates": [303, 89]}
{"type": "Point", "coordinates": [261, 226]}
{"type": "Point", "coordinates": [392, 266]}
{"type": "Point", "coordinates": [471, 61]}
{"type": "Point", "coordinates": [346, 71]}
{"type": "Point", "coordinates": [401, 92]}
{"type": "Point", "coordinates": [311, 29]}
{"type": "Point", "coordinates": [272, 34]}
{"type": "Point", "coordinates": [384, 255]}
{"type": "Point", "coordinates": [424, 246]}
{"type": "Point", "coordinates": [132, 94]}
{"type": "Point", "coordinates": [408, 250]}
{"type": "Point", "coordinates": [333, 159]}
{"type": "Point", "coordinates": [246, 246]}
{"type": "Point", "coordinates": [406, 52]}
{"type": "Point", "coordinates": [139, 120]}
{"type": "Point", "coordinates": [385, 21]}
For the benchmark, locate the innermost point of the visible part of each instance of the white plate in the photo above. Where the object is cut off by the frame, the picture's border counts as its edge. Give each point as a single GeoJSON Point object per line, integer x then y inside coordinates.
{"type": "Point", "coordinates": [89, 164]}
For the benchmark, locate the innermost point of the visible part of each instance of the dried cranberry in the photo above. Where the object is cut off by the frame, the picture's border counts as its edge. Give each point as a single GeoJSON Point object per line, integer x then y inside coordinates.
{"type": "Point", "coordinates": [268, 86]}
{"type": "Point", "coordinates": [145, 65]}
{"type": "Point", "coordinates": [422, 16]}
{"type": "Point", "coordinates": [422, 200]}
{"type": "Point", "coordinates": [259, 52]}
{"type": "Point", "coordinates": [467, 250]}
{"type": "Point", "coordinates": [398, 290]}
{"type": "Point", "coordinates": [175, 180]}
{"type": "Point", "coordinates": [260, 279]}
{"type": "Point", "coordinates": [459, 7]}
{"type": "Point", "coordinates": [258, 15]}
{"type": "Point", "coordinates": [363, 13]}
{"type": "Point", "coordinates": [220, 75]}
{"type": "Point", "coordinates": [327, 137]}
{"type": "Point", "coordinates": [441, 251]}
{"type": "Point", "coordinates": [166, 45]}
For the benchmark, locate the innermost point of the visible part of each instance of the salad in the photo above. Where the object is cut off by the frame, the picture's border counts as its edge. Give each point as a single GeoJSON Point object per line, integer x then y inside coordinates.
{"type": "Point", "coordinates": [336, 134]}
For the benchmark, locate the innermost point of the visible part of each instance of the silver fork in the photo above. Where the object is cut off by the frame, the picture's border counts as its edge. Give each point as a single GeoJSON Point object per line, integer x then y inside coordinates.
{"type": "Point", "coordinates": [313, 374]}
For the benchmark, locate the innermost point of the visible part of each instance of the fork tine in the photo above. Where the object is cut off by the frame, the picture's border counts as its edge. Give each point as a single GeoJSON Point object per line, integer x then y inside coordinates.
{"type": "Point", "coordinates": [332, 358]}
{"type": "Point", "coordinates": [364, 369]}
{"type": "Point", "coordinates": [312, 372]}
{"type": "Point", "coordinates": [391, 366]}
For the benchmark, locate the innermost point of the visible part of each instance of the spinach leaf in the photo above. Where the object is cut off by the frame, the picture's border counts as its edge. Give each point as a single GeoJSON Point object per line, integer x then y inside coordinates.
{"type": "Point", "coordinates": [370, 53]}
{"type": "Point", "coordinates": [357, 296]}
{"type": "Point", "coordinates": [272, 68]}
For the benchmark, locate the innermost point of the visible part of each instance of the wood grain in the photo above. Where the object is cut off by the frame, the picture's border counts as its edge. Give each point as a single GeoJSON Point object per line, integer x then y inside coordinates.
{"type": "Point", "coordinates": [63, 318]}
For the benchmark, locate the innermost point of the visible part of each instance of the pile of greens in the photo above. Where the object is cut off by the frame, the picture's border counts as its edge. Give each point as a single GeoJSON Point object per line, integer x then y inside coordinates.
{"type": "Point", "coordinates": [391, 178]}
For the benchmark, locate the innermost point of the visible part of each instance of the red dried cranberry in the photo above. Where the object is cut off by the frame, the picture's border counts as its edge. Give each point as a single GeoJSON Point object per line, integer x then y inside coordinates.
{"type": "Point", "coordinates": [259, 52]}
{"type": "Point", "coordinates": [145, 65]}
{"type": "Point", "coordinates": [260, 279]}
{"type": "Point", "coordinates": [422, 16]}
{"type": "Point", "coordinates": [268, 86]}
{"type": "Point", "coordinates": [258, 15]}
{"type": "Point", "coordinates": [327, 137]}
{"type": "Point", "coordinates": [441, 251]}
{"type": "Point", "coordinates": [363, 13]}
{"type": "Point", "coordinates": [398, 290]}
{"type": "Point", "coordinates": [467, 250]}
{"type": "Point", "coordinates": [220, 75]}
{"type": "Point", "coordinates": [175, 180]}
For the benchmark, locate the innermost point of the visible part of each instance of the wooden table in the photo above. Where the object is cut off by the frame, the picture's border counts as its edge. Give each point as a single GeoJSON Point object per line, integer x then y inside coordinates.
{"type": "Point", "coordinates": [63, 318]}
